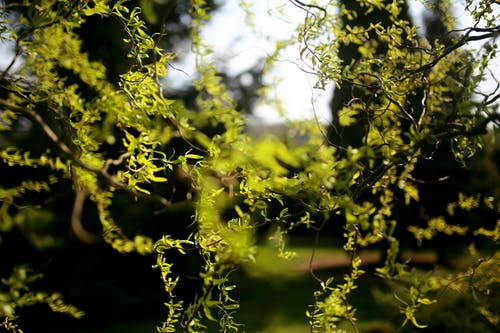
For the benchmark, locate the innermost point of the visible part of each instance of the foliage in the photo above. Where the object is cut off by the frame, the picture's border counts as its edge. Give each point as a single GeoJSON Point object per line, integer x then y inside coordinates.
{"type": "Point", "coordinates": [106, 142]}
{"type": "Point", "coordinates": [16, 294]}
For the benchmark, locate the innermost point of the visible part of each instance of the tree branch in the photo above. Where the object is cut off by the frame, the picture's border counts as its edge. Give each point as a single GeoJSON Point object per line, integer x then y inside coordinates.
{"type": "Point", "coordinates": [479, 128]}
{"type": "Point", "coordinates": [76, 217]}
{"type": "Point", "coordinates": [466, 38]}
{"type": "Point", "coordinates": [102, 172]}
{"type": "Point", "coordinates": [28, 112]}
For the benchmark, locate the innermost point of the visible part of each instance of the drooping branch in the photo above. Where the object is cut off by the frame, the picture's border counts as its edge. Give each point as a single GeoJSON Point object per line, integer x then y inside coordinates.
{"type": "Point", "coordinates": [71, 155]}
{"type": "Point", "coordinates": [76, 217]}
{"type": "Point", "coordinates": [28, 112]}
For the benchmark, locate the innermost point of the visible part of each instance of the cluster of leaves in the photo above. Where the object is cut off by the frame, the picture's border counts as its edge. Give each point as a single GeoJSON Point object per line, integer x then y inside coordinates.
{"type": "Point", "coordinates": [16, 293]}
{"type": "Point", "coordinates": [395, 65]}
{"type": "Point", "coordinates": [107, 140]}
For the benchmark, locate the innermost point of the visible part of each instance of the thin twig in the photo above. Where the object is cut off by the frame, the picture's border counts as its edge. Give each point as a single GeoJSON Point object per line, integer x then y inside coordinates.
{"type": "Point", "coordinates": [102, 172]}
{"type": "Point", "coordinates": [492, 33]}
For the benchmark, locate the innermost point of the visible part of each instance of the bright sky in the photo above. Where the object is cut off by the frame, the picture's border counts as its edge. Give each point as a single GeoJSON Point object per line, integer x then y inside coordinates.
{"type": "Point", "coordinates": [240, 45]}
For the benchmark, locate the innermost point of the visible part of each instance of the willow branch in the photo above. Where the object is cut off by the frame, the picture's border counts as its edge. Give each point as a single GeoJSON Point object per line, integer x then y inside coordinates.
{"type": "Point", "coordinates": [76, 217]}
{"type": "Point", "coordinates": [27, 111]}
{"type": "Point", "coordinates": [478, 129]}
{"type": "Point", "coordinates": [72, 156]}
{"type": "Point", "coordinates": [466, 38]}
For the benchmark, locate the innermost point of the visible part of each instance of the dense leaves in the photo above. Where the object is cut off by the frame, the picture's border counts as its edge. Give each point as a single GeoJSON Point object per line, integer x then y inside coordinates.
{"type": "Point", "coordinates": [110, 144]}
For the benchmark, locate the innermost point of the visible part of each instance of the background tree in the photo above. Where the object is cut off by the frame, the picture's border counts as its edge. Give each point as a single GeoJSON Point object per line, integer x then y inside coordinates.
{"type": "Point", "coordinates": [438, 176]}
{"type": "Point", "coordinates": [158, 181]}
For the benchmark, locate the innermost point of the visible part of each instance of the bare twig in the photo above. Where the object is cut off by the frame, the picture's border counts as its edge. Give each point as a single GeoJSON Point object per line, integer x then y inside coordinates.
{"type": "Point", "coordinates": [76, 216]}
{"type": "Point", "coordinates": [30, 113]}
{"type": "Point", "coordinates": [17, 53]}
{"type": "Point", "coordinates": [181, 134]}
{"type": "Point", "coordinates": [466, 38]}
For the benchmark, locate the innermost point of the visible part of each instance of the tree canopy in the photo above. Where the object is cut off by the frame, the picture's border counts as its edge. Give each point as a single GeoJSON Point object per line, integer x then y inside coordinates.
{"type": "Point", "coordinates": [95, 155]}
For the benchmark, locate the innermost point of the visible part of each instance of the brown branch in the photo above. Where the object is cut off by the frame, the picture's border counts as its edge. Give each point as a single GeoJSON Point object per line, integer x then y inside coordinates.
{"type": "Point", "coordinates": [102, 172]}
{"type": "Point", "coordinates": [183, 137]}
{"type": "Point", "coordinates": [27, 111]}
{"type": "Point", "coordinates": [466, 38]}
{"type": "Point", "coordinates": [118, 161]}
{"type": "Point", "coordinates": [492, 100]}
{"type": "Point", "coordinates": [17, 53]}
{"type": "Point", "coordinates": [305, 6]}
{"type": "Point", "coordinates": [76, 217]}
{"type": "Point", "coordinates": [367, 183]}
{"type": "Point", "coordinates": [480, 128]}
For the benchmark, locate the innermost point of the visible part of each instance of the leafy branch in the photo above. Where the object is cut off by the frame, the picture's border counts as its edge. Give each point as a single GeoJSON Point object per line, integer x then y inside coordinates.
{"type": "Point", "coordinates": [73, 156]}
{"type": "Point", "coordinates": [488, 33]}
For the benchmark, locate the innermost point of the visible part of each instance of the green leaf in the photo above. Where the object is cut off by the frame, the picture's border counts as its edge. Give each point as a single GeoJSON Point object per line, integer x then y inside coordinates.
{"type": "Point", "coordinates": [347, 116]}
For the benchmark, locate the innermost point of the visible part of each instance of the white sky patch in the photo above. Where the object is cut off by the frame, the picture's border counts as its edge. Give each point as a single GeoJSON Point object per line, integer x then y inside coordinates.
{"type": "Point", "coordinates": [277, 20]}
{"type": "Point", "coordinates": [7, 55]}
